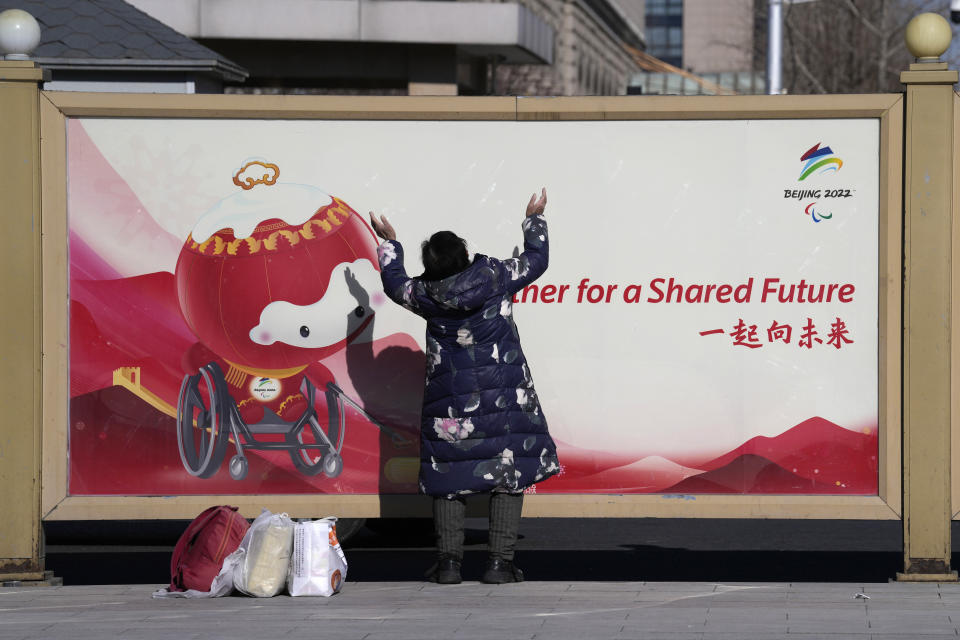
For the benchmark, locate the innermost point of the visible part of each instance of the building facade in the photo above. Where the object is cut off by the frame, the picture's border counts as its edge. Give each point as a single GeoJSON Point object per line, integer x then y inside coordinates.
{"type": "Point", "coordinates": [530, 47]}
{"type": "Point", "coordinates": [591, 56]}
{"type": "Point", "coordinates": [712, 39]}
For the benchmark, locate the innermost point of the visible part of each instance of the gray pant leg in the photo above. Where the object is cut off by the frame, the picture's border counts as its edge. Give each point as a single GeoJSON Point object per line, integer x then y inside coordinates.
{"type": "Point", "coordinates": [448, 516]}
{"type": "Point", "coordinates": [505, 510]}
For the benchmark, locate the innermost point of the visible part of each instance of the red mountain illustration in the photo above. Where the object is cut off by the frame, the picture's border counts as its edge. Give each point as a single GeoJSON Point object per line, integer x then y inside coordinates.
{"type": "Point", "coordinates": [585, 471]}
{"type": "Point", "coordinates": [816, 457]}
{"type": "Point", "coordinates": [817, 450]}
{"type": "Point", "coordinates": [749, 474]}
{"type": "Point", "coordinates": [580, 463]}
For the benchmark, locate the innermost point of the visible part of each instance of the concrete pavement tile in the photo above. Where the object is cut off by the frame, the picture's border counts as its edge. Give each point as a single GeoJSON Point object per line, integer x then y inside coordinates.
{"type": "Point", "coordinates": [697, 601]}
{"type": "Point", "coordinates": [10, 629]}
{"type": "Point", "coordinates": [772, 603]}
{"type": "Point", "coordinates": [592, 598]}
{"type": "Point", "coordinates": [745, 592]}
{"type": "Point", "coordinates": [422, 634]}
{"type": "Point", "coordinates": [680, 586]}
{"type": "Point", "coordinates": [664, 625]}
{"type": "Point", "coordinates": [600, 614]}
{"type": "Point", "coordinates": [504, 629]}
{"type": "Point", "coordinates": [905, 599]}
{"type": "Point", "coordinates": [676, 596]}
{"type": "Point", "coordinates": [907, 588]}
{"type": "Point", "coordinates": [593, 625]}
{"type": "Point", "coordinates": [740, 635]}
{"type": "Point", "coordinates": [659, 623]}
{"type": "Point", "coordinates": [909, 636]}
{"type": "Point", "coordinates": [801, 587]}
{"type": "Point", "coordinates": [665, 598]}
{"type": "Point", "coordinates": [533, 587]}
{"type": "Point", "coordinates": [687, 613]}
{"type": "Point", "coordinates": [795, 614]}
{"type": "Point", "coordinates": [820, 587]}
{"type": "Point", "coordinates": [908, 624]}
{"type": "Point", "coordinates": [516, 596]}
{"type": "Point", "coordinates": [605, 586]}
{"type": "Point", "coordinates": [78, 599]}
{"type": "Point", "coordinates": [919, 631]}
{"type": "Point", "coordinates": [330, 633]}
{"type": "Point", "coordinates": [810, 599]}
{"type": "Point", "coordinates": [765, 617]}
{"type": "Point", "coordinates": [592, 604]}
{"type": "Point", "coordinates": [656, 635]}
{"type": "Point", "coordinates": [746, 626]}
{"type": "Point", "coordinates": [86, 633]}
{"type": "Point", "coordinates": [524, 588]}
{"type": "Point", "coordinates": [939, 614]}
{"type": "Point", "coordinates": [828, 628]}
{"type": "Point", "coordinates": [154, 634]}
{"type": "Point", "coordinates": [908, 604]}
{"type": "Point", "coordinates": [473, 634]}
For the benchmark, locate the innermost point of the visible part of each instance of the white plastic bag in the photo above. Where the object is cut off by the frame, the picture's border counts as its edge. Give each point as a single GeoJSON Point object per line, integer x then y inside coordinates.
{"type": "Point", "coordinates": [318, 566]}
{"type": "Point", "coordinates": [222, 584]}
{"type": "Point", "coordinates": [264, 555]}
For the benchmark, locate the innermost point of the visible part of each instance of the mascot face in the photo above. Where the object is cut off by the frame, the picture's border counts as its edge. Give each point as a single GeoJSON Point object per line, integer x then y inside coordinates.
{"type": "Point", "coordinates": [279, 275]}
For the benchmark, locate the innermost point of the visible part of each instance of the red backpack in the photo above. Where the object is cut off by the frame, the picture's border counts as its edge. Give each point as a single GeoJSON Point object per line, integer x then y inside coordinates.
{"type": "Point", "coordinates": [200, 551]}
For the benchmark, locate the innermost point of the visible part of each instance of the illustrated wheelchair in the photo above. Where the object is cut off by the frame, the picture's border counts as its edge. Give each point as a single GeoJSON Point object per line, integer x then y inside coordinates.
{"type": "Point", "coordinates": [203, 432]}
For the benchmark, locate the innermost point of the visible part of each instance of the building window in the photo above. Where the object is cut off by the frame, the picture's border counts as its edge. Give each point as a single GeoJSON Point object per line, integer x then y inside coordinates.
{"type": "Point", "coordinates": [664, 27]}
{"type": "Point", "coordinates": [664, 8]}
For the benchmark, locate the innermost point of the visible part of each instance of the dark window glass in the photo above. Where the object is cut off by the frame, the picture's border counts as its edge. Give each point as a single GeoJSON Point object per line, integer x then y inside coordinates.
{"type": "Point", "coordinates": [656, 39]}
{"type": "Point", "coordinates": [675, 36]}
{"type": "Point", "coordinates": [664, 7]}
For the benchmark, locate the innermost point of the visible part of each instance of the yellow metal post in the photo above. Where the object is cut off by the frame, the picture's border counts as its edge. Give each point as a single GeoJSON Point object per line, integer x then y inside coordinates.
{"type": "Point", "coordinates": [927, 321]}
{"type": "Point", "coordinates": [21, 550]}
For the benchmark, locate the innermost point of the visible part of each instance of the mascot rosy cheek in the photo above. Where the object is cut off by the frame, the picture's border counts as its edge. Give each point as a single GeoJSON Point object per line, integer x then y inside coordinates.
{"type": "Point", "coordinates": [276, 276]}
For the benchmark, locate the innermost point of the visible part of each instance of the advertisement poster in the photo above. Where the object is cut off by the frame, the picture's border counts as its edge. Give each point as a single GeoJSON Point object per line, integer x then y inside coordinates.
{"type": "Point", "coordinates": [708, 322]}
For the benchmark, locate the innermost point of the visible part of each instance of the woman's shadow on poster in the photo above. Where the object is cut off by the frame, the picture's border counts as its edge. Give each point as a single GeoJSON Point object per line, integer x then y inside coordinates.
{"type": "Point", "coordinates": [389, 384]}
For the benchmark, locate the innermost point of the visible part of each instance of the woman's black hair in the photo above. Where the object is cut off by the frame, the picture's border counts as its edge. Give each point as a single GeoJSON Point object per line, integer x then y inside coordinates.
{"type": "Point", "coordinates": [443, 255]}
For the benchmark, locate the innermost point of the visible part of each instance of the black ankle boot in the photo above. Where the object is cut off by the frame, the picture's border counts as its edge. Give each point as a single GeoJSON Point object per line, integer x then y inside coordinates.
{"type": "Point", "coordinates": [445, 571]}
{"type": "Point", "coordinates": [500, 571]}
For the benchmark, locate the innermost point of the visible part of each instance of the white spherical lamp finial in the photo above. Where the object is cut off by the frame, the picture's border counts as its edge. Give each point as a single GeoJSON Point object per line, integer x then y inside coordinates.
{"type": "Point", "coordinates": [19, 34]}
{"type": "Point", "coordinates": [928, 35]}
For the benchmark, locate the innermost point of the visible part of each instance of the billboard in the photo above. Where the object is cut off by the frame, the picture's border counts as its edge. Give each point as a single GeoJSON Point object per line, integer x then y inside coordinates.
{"type": "Point", "coordinates": [708, 322]}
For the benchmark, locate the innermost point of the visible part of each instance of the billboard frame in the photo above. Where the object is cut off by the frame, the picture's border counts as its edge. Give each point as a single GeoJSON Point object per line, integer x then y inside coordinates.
{"type": "Point", "coordinates": [56, 107]}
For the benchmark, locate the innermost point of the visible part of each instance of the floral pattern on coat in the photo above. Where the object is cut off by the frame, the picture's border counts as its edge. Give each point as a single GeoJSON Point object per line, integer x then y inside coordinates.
{"type": "Point", "coordinates": [482, 427]}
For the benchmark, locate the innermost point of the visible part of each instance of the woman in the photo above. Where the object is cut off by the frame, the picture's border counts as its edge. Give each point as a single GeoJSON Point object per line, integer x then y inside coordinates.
{"type": "Point", "coordinates": [481, 427]}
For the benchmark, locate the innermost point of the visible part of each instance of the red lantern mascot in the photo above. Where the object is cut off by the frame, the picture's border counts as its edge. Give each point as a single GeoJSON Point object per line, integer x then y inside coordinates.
{"type": "Point", "coordinates": [271, 280]}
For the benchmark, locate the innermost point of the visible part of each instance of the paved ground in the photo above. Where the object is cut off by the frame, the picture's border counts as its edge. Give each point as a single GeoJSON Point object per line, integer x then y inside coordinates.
{"type": "Point", "coordinates": [591, 579]}
{"type": "Point", "coordinates": [533, 610]}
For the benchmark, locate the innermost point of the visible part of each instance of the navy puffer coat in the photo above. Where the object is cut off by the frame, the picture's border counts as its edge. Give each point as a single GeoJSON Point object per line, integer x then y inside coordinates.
{"type": "Point", "coordinates": [481, 428]}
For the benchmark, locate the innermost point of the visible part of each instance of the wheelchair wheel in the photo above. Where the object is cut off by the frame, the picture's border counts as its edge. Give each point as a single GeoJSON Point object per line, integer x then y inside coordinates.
{"type": "Point", "coordinates": [201, 436]}
{"type": "Point", "coordinates": [311, 452]}
{"type": "Point", "coordinates": [238, 467]}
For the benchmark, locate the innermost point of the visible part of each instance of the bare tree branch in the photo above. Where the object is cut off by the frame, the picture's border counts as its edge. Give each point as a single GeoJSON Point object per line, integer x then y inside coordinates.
{"type": "Point", "coordinates": [846, 46]}
{"type": "Point", "coordinates": [862, 18]}
{"type": "Point", "coordinates": [808, 74]}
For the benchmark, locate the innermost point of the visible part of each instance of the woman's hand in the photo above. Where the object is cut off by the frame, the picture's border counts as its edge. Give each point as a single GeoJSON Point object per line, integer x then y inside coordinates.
{"type": "Point", "coordinates": [383, 228]}
{"type": "Point", "coordinates": [536, 206]}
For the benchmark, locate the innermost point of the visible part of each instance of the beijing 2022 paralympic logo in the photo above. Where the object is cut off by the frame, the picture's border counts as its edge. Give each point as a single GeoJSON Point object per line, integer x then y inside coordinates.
{"type": "Point", "coordinates": [818, 161]}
